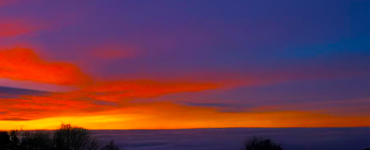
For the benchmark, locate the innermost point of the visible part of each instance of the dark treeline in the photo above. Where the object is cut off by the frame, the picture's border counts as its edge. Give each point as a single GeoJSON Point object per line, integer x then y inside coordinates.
{"type": "Point", "coordinates": [260, 144]}
{"type": "Point", "coordinates": [77, 138]}
{"type": "Point", "coordinates": [66, 138]}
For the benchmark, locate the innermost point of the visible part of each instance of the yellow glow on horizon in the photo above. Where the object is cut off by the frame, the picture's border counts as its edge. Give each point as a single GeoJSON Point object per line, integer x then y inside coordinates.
{"type": "Point", "coordinates": [55, 122]}
{"type": "Point", "coordinates": [211, 120]}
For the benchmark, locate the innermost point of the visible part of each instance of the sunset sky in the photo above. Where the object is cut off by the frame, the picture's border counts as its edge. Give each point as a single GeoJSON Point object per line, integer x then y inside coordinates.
{"type": "Point", "coordinates": [171, 64]}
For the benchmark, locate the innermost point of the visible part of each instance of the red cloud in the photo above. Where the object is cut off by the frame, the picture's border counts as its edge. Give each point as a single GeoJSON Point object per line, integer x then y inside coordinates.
{"type": "Point", "coordinates": [84, 101]}
{"type": "Point", "coordinates": [24, 64]}
{"type": "Point", "coordinates": [38, 107]}
{"type": "Point", "coordinates": [115, 91]}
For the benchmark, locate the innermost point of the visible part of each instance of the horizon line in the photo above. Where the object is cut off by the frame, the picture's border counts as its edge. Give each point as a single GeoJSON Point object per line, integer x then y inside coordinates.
{"type": "Point", "coordinates": [199, 128]}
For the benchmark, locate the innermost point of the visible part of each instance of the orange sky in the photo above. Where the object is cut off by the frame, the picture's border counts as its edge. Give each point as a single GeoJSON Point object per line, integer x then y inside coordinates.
{"type": "Point", "coordinates": [110, 104]}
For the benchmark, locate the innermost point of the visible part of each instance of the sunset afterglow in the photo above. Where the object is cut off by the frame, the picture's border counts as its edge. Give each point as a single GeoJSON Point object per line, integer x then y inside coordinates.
{"type": "Point", "coordinates": [177, 65]}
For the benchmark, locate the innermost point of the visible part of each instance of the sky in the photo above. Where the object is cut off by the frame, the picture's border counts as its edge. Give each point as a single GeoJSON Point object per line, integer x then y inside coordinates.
{"type": "Point", "coordinates": [164, 64]}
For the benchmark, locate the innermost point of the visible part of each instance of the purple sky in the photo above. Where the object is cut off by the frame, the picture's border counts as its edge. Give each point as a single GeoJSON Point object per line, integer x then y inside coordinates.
{"type": "Point", "coordinates": [284, 55]}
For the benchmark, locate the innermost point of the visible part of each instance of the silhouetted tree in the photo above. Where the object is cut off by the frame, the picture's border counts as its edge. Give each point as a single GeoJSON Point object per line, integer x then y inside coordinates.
{"type": "Point", "coordinates": [14, 140]}
{"type": "Point", "coordinates": [4, 140]}
{"type": "Point", "coordinates": [36, 140]}
{"type": "Point", "coordinates": [260, 144]}
{"type": "Point", "coordinates": [73, 138]}
{"type": "Point", "coordinates": [110, 146]}
{"type": "Point", "coordinates": [66, 138]}
{"type": "Point", "coordinates": [367, 148]}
